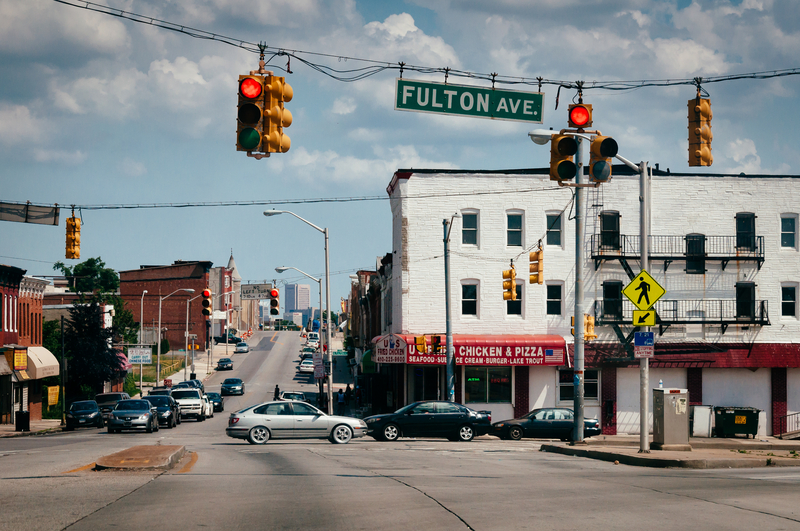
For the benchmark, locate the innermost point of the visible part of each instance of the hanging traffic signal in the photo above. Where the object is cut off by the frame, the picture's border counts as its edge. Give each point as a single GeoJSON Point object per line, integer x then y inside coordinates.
{"type": "Point", "coordinates": [421, 344]}
{"type": "Point", "coordinates": [562, 149]}
{"type": "Point", "coordinates": [588, 328]}
{"type": "Point", "coordinates": [601, 150]}
{"type": "Point", "coordinates": [537, 266]}
{"type": "Point", "coordinates": [580, 115]}
{"type": "Point", "coordinates": [700, 134]}
{"type": "Point", "coordinates": [207, 309]}
{"type": "Point", "coordinates": [436, 344]}
{"type": "Point", "coordinates": [274, 302]}
{"type": "Point", "coordinates": [250, 115]}
{"type": "Point", "coordinates": [510, 284]}
{"type": "Point", "coordinates": [73, 237]}
{"type": "Point", "coordinates": [572, 324]}
{"type": "Point", "coordinates": [278, 92]}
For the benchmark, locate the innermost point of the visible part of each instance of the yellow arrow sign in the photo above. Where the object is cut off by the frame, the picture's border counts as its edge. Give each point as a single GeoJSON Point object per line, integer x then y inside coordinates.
{"type": "Point", "coordinates": [643, 291]}
{"type": "Point", "coordinates": [644, 318]}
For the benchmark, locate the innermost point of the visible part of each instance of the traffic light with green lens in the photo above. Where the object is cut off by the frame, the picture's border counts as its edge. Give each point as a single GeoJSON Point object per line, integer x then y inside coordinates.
{"type": "Point", "coordinates": [601, 151]}
{"type": "Point", "coordinates": [276, 117]}
{"type": "Point", "coordinates": [700, 135]}
{"type": "Point", "coordinates": [562, 166]}
{"type": "Point", "coordinates": [250, 115]}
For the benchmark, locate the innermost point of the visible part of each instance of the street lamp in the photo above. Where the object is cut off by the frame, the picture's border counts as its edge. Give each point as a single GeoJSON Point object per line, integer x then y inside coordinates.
{"type": "Point", "coordinates": [324, 231]}
{"type": "Point", "coordinates": [158, 359]}
{"type": "Point", "coordinates": [186, 338]}
{"type": "Point", "coordinates": [451, 373]}
{"type": "Point", "coordinates": [141, 317]}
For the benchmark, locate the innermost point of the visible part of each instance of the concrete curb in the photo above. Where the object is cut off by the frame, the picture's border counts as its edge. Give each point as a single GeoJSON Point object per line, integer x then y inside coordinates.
{"type": "Point", "coordinates": [142, 458]}
{"type": "Point", "coordinates": [31, 433]}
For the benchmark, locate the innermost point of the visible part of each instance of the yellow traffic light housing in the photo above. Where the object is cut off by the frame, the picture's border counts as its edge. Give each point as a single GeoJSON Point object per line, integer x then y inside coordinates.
{"type": "Point", "coordinates": [207, 304]}
{"type": "Point", "coordinates": [537, 266]}
{"type": "Point", "coordinates": [580, 115]}
{"type": "Point", "coordinates": [278, 92]}
{"type": "Point", "coordinates": [510, 284]}
{"type": "Point", "coordinates": [588, 328]}
{"type": "Point", "coordinates": [700, 135]}
{"type": "Point", "coordinates": [250, 113]}
{"type": "Point", "coordinates": [601, 150]}
{"type": "Point", "coordinates": [421, 344]}
{"type": "Point", "coordinates": [572, 324]}
{"type": "Point", "coordinates": [562, 166]}
{"type": "Point", "coordinates": [73, 237]}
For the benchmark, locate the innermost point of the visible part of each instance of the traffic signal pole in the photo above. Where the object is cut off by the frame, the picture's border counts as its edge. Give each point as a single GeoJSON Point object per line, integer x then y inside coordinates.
{"type": "Point", "coordinates": [580, 203]}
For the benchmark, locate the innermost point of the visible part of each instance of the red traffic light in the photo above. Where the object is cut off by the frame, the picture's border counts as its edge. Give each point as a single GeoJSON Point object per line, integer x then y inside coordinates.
{"type": "Point", "coordinates": [206, 293]}
{"type": "Point", "coordinates": [250, 88]}
{"type": "Point", "coordinates": [580, 115]}
{"type": "Point", "coordinates": [273, 293]}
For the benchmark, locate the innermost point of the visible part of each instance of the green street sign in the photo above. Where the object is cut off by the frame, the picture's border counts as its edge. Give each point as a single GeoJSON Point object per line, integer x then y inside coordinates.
{"type": "Point", "coordinates": [463, 100]}
{"type": "Point", "coordinates": [339, 353]}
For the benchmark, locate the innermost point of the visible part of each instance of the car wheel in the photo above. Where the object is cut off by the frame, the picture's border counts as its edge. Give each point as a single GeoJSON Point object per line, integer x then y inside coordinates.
{"type": "Point", "coordinates": [515, 433]}
{"type": "Point", "coordinates": [466, 433]}
{"type": "Point", "coordinates": [341, 434]}
{"type": "Point", "coordinates": [258, 435]}
{"type": "Point", "coordinates": [149, 428]}
{"type": "Point", "coordinates": [178, 419]}
{"type": "Point", "coordinates": [391, 432]}
{"type": "Point", "coordinates": [201, 418]}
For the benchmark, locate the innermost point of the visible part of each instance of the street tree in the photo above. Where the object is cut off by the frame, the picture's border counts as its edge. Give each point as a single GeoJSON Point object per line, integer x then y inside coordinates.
{"type": "Point", "coordinates": [91, 358]}
{"type": "Point", "coordinates": [90, 276]}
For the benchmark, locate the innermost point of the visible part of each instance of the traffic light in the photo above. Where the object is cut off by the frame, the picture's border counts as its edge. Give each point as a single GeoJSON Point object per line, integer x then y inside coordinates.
{"type": "Point", "coordinates": [562, 149]}
{"type": "Point", "coordinates": [73, 237]}
{"type": "Point", "coordinates": [274, 303]}
{"type": "Point", "coordinates": [436, 344]}
{"type": "Point", "coordinates": [421, 344]}
{"type": "Point", "coordinates": [700, 134]}
{"type": "Point", "coordinates": [572, 324]}
{"type": "Point", "coordinates": [537, 266]}
{"type": "Point", "coordinates": [278, 92]}
{"type": "Point", "coordinates": [601, 150]}
{"type": "Point", "coordinates": [251, 113]}
{"type": "Point", "coordinates": [510, 284]}
{"type": "Point", "coordinates": [588, 328]}
{"type": "Point", "coordinates": [207, 309]}
{"type": "Point", "coordinates": [580, 115]}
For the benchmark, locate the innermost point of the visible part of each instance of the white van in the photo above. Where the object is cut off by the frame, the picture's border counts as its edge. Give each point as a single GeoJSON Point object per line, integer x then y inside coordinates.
{"type": "Point", "coordinates": [312, 337]}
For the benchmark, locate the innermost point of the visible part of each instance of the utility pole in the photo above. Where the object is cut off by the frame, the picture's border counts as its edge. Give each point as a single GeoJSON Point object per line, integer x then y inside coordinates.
{"type": "Point", "coordinates": [644, 363]}
{"type": "Point", "coordinates": [577, 379]}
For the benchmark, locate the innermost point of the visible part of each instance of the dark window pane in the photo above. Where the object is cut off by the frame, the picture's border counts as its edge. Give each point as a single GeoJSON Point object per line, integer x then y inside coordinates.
{"type": "Point", "coordinates": [554, 229]}
{"type": "Point", "coordinates": [469, 291]}
{"type": "Point", "coordinates": [746, 231]}
{"type": "Point", "coordinates": [590, 374]}
{"type": "Point", "coordinates": [745, 300]}
{"type": "Point", "coordinates": [566, 392]}
{"type": "Point", "coordinates": [515, 307]}
{"type": "Point", "coordinates": [469, 229]}
{"type": "Point", "coordinates": [515, 221]}
{"type": "Point", "coordinates": [475, 384]}
{"type": "Point", "coordinates": [589, 390]}
{"type": "Point", "coordinates": [609, 230]}
{"type": "Point", "coordinates": [514, 238]}
{"type": "Point", "coordinates": [612, 299]}
{"type": "Point", "coordinates": [696, 254]}
{"type": "Point", "coordinates": [499, 384]}
{"type": "Point", "coordinates": [470, 221]}
{"type": "Point", "coordinates": [554, 299]}
{"type": "Point", "coordinates": [787, 232]}
{"type": "Point", "coordinates": [789, 300]}
{"type": "Point", "coordinates": [469, 308]}
{"type": "Point", "coordinates": [553, 307]}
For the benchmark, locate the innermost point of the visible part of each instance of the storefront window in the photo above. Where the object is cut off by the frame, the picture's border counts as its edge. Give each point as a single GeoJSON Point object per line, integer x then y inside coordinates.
{"type": "Point", "coordinates": [591, 387]}
{"type": "Point", "coordinates": [487, 384]}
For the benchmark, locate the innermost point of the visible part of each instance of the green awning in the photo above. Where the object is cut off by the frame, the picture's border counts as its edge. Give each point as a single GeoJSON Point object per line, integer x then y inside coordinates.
{"type": "Point", "coordinates": [367, 365]}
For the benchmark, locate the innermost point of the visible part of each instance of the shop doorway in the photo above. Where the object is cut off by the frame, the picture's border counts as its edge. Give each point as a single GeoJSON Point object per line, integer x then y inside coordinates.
{"type": "Point", "coordinates": [426, 383]}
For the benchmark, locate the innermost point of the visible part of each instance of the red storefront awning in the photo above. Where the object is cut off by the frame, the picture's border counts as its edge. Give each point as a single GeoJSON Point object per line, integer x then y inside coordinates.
{"type": "Point", "coordinates": [489, 350]}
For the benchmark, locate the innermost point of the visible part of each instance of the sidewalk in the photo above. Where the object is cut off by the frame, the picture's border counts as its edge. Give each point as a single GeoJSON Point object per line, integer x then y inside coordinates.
{"type": "Point", "coordinates": [38, 427]}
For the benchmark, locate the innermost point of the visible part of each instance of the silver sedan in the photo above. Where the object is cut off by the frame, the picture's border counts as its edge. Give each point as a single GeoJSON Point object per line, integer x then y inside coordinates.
{"type": "Point", "coordinates": [292, 420]}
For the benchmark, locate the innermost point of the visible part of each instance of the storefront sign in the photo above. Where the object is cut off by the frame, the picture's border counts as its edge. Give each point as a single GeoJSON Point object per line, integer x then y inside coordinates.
{"type": "Point", "coordinates": [140, 355]}
{"type": "Point", "coordinates": [52, 395]}
{"type": "Point", "coordinates": [20, 359]}
{"type": "Point", "coordinates": [508, 355]}
{"type": "Point", "coordinates": [390, 349]}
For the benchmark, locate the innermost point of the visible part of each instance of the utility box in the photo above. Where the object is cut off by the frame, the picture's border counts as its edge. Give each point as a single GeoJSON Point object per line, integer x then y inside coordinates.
{"type": "Point", "coordinates": [671, 419]}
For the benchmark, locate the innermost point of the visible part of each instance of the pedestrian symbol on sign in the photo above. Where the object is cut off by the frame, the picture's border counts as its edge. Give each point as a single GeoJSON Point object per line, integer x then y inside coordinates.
{"type": "Point", "coordinates": [644, 287]}
{"type": "Point", "coordinates": [643, 291]}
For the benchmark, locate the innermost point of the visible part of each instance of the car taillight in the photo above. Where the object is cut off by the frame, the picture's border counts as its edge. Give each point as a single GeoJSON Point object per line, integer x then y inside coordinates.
{"type": "Point", "coordinates": [233, 420]}
{"type": "Point", "coordinates": [490, 418]}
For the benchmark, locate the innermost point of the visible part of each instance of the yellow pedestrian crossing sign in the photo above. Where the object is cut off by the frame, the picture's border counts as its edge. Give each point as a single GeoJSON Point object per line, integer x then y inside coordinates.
{"type": "Point", "coordinates": [643, 291]}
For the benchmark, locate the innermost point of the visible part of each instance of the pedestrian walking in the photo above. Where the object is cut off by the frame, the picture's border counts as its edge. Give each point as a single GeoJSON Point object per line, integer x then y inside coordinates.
{"type": "Point", "coordinates": [348, 395]}
{"type": "Point", "coordinates": [340, 403]}
{"type": "Point", "coordinates": [358, 396]}
{"type": "Point", "coordinates": [277, 394]}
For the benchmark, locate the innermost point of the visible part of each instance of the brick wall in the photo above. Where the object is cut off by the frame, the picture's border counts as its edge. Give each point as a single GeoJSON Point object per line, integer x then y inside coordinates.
{"type": "Point", "coordinates": [521, 391]}
{"type": "Point", "coordinates": [779, 396]}
{"type": "Point", "coordinates": [608, 385]}
{"type": "Point", "coordinates": [694, 383]}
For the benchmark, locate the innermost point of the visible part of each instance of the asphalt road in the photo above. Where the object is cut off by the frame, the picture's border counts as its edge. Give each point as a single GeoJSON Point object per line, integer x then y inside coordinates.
{"type": "Point", "coordinates": [410, 484]}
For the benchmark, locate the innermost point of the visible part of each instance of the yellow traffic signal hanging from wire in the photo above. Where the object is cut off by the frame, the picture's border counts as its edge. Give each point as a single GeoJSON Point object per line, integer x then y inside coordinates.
{"type": "Point", "coordinates": [510, 284]}
{"type": "Point", "coordinates": [562, 166]}
{"type": "Point", "coordinates": [537, 266]}
{"type": "Point", "coordinates": [700, 134]}
{"type": "Point", "coordinates": [73, 237]}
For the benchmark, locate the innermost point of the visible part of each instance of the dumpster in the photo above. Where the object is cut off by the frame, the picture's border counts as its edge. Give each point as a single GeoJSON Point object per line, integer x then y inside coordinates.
{"type": "Point", "coordinates": [731, 421]}
{"type": "Point", "coordinates": [22, 420]}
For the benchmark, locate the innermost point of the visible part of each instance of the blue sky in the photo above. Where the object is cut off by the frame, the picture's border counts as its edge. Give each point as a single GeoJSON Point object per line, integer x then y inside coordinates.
{"type": "Point", "coordinates": [98, 110]}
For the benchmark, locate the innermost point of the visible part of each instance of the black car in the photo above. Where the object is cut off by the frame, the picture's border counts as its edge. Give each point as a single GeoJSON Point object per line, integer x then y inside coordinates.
{"type": "Point", "coordinates": [85, 413]}
{"type": "Point", "coordinates": [160, 391]}
{"type": "Point", "coordinates": [232, 386]}
{"type": "Point", "coordinates": [544, 423]}
{"type": "Point", "coordinates": [217, 401]}
{"type": "Point", "coordinates": [225, 364]}
{"type": "Point", "coordinates": [169, 412]}
{"type": "Point", "coordinates": [431, 418]}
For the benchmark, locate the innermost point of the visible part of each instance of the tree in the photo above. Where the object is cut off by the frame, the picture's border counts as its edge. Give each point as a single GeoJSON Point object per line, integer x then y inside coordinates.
{"type": "Point", "coordinates": [90, 276]}
{"type": "Point", "coordinates": [91, 359]}
{"type": "Point", "coordinates": [125, 329]}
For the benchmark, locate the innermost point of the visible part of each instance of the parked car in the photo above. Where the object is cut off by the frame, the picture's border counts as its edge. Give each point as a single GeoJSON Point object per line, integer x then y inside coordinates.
{"type": "Point", "coordinates": [217, 401]}
{"type": "Point", "coordinates": [84, 413]}
{"type": "Point", "coordinates": [241, 348]}
{"type": "Point", "coordinates": [133, 415]}
{"type": "Point", "coordinates": [169, 412]}
{"type": "Point", "coordinates": [293, 395]}
{"type": "Point", "coordinates": [312, 344]}
{"type": "Point", "coordinates": [107, 401]}
{"type": "Point", "coordinates": [306, 356]}
{"type": "Point", "coordinates": [199, 385]}
{"type": "Point", "coordinates": [183, 385]}
{"type": "Point", "coordinates": [546, 423]}
{"type": "Point", "coordinates": [306, 366]}
{"type": "Point", "coordinates": [291, 420]}
{"type": "Point", "coordinates": [209, 406]}
{"type": "Point", "coordinates": [160, 391]}
{"type": "Point", "coordinates": [432, 418]}
{"type": "Point", "coordinates": [231, 339]}
{"type": "Point", "coordinates": [307, 349]}
{"type": "Point", "coordinates": [225, 364]}
{"type": "Point", "coordinates": [232, 386]}
{"type": "Point", "coordinates": [191, 403]}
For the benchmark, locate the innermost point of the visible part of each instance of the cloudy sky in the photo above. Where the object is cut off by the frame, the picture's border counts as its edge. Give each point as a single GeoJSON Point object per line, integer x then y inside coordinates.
{"type": "Point", "coordinates": [100, 110]}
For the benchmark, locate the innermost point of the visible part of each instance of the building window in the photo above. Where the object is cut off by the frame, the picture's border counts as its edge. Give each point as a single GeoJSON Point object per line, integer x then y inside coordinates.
{"type": "Point", "coordinates": [515, 307]}
{"type": "Point", "coordinates": [469, 299]}
{"type": "Point", "coordinates": [789, 301]}
{"type": "Point", "coordinates": [469, 228]}
{"type": "Point", "coordinates": [789, 231]}
{"type": "Point", "coordinates": [566, 385]}
{"type": "Point", "coordinates": [609, 230]}
{"type": "Point", "coordinates": [745, 300]}
{"type": "Point", "coordinates": [746, 231]}
{"type": "Point", "coordinates": [554, 229]}
{"type": "Point", "coordinates": [612, 300]}
{"type": "Point", "coordinates": [695, 254]}
{"type": "Point", "coordinates": [514, 230]}
{"type": "Point", "coordinates": [554, 299]}
{"type": "Point", "coordinates": [487, 384]}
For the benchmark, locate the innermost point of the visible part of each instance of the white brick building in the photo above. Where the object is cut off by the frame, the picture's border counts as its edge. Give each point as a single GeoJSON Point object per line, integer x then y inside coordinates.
{"type": "Point", "coordinates": [724, 247]}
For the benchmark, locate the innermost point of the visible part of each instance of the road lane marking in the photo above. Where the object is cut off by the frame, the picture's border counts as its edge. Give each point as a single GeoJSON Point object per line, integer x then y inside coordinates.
{"type": "Point", "coordinates": [81, 469]}
{"type": "Point", "coordinates": [190, 464]}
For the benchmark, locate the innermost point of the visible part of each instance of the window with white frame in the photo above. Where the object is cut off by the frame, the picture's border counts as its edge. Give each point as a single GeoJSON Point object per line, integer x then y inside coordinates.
{"type": "Point", "coordinates": [514, 229]}
{"type": "Point", "coordinates": [789, 231]}
{"type": "Point", "coordinates": [469, 228]}
{"type": "Point", "coordinates": [554, 228]}
{"type": "Point", "coordinates": [591, 385]}
{"type": "Point", "coordinates": [469, 298]}
{"type": "Point", "coordinates": [554, 299]}
{"type": "Point", "coordinates": [789, 300]}
{"type": "Point", "coordinates": [515, 307]}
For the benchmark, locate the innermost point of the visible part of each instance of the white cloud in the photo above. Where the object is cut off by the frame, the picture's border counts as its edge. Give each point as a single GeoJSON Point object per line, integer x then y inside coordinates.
{"type": "Point", "coordinates": [364, 134]}
{"type": "Point", "coordinates": [59, 156]}
{"type": "Point", "coordinates": [344, 106]}
{"type": "Point", "coordinates": [17, 125]}
{"type": "Point", "coordinates": [132, 168]}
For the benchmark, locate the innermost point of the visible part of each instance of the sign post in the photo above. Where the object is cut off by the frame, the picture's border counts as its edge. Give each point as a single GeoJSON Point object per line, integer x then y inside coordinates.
{"type": "Point", "coordinates": [141, 356]}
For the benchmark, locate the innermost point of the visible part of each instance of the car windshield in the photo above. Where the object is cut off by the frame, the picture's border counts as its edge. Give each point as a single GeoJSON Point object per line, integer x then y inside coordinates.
{"type": "Point", "coordinates": [405, 408]}
{"type": "Point", "coordinates": [213, 395]}
{"type": "Point", "coordinates": [224, 360]}
{"type": "Point", "coordinates": [133, 405]}
{"type": "Point", "coordinates": [185, 393]}
{"type": "Point", "coordinates": [111, 397]}
{"type": "Point", "coordinates": [84, 406]}
{"type": "Point", "coordinates": [232, 381]}
{"type": "Point", "coordinates": [158, 400]}
{"type": "Point", "coordinates": [241, 345]}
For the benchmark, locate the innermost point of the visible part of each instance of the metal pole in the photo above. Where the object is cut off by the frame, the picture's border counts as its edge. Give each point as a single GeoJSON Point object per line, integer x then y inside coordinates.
{"type": "Point", "coordinates": [330, 321]}
{"type": "Point", "coordinates": [580, 205]}
{"type": "Point", "coordinates": [644, 363]}
{"type": "Point", "coordinates": [186, 343]}
{"type": "Point", "coordinates": [158, 340]}
{"type": "Point", "coordinates": [451, 376]}
{"type": "Point", "coordinates": [141, 343]}
{"type": "Point", "coordinates": [63, 378]}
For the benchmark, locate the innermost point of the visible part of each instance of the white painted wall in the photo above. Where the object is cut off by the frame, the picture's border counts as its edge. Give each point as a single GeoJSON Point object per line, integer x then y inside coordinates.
{"type": "Point", "coordinates": [542, 388]}
{"type": "Point", "coordinates": [628, 394]}
{"type": "Point", "coordinates": [792, 391]}
{"type": "Point", "coordinates": [739, 387]}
